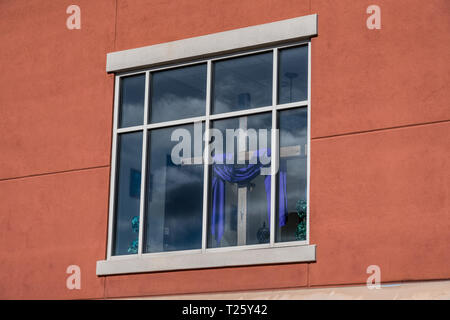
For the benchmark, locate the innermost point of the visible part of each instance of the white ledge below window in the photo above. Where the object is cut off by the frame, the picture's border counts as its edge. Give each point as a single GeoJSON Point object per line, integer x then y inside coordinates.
{"type": "Point", "coordinates": [199, 260]}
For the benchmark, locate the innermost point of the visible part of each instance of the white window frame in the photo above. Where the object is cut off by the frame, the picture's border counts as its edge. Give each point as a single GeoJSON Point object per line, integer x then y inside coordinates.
{"type": "Point", "coordinates": [270, 253]}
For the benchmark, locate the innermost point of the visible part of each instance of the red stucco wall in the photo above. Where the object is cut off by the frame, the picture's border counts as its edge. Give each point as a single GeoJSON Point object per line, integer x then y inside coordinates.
{"type": "Point", "coordinates": [380, 174]}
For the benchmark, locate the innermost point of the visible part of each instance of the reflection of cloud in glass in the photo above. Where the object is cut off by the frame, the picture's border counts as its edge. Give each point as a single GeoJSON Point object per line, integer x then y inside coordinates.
{"type": "Point", "coordinates": [293, 127]}
{"type": "Point", "coordinates": [293, 74]}
{"type": "Point", "coordinates": [129, 154]}
{"type": "Point", "coordinates": [134, 112]}
{"type": "Point", "coordinates": [255, 124]}
{"type": "Point", "coordinates": [176, 209]}
{"type": "Point", "coordinates": [181, 228]}
{"type": "Point", "coordinates": [132, 98]}
{"type": "Point", "coordinates": [178, 93]}
{"type": "Point", "coordinates": [173, 107]}
{"type": "Point", "coordinates": [174, 201]}
{"type": "Point", "coordinates": [242, 83]}
{"type": "Point", "coordinates": [293, 132]}
{"type": "Point", "coordinates": [290, 139]}
{"type": "Point", "coordinates": [179, 179]}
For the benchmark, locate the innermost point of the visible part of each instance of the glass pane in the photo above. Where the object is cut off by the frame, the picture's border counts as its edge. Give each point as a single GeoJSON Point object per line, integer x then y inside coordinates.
{"type": "Point", "coordinates": [293, 74]}
{"type": "Point", "coordinates": [242, 83]}
{"type": "Point", "coordinates": [132, 99]}
{"type": "Point", "coordinates": [128, 193]}
{"type": "Point", "coordinates": [292, 176]}
{"type": "Point", "coordinates": [178, 93]}
{"type": "Point", "coordinates": [174, 200]}
{"type": "Point", "coordinates": [239, 203]}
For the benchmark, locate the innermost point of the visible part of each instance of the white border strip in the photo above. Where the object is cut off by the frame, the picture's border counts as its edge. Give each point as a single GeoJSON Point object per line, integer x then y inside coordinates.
{"type": "Point", "coordinates": [137, 264]}
{"type": "Point", "coordinates": [216, 43]}
{"type": "Point", "coordinates": [112, 182]}
{"type": "Point", "coordinates": [143, 198]}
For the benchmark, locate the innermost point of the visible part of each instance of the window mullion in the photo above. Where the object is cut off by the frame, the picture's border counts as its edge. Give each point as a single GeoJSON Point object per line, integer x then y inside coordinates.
{"type": "Point", "coordinates": [206, 155]}
{"type": "Point", "coordinates": [274, 143]}
{"type": "Point", "coordinates": [112, 194]}
{"type": "Point", "coordinates": [308, 159]}
{"type": "Point", "coordinates": [144, 164]}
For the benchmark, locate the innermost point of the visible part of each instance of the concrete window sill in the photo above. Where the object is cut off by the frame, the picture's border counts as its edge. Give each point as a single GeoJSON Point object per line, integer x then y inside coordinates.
{"type": "Point", "coordinates": [198, 260]}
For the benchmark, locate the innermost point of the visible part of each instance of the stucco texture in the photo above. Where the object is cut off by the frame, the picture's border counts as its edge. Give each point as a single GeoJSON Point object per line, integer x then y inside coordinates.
{"type": "Point", "coordinates": [380, 182]}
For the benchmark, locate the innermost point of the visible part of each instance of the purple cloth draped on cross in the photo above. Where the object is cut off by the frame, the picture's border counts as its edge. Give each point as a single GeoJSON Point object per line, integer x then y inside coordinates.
{"type": "Point", "coordinates": [223, 172]}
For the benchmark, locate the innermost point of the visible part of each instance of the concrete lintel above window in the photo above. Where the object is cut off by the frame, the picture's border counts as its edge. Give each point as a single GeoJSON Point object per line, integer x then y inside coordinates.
{"type": "Point", "coordinates": [199, 260]}
{"type": "Point", "coordinates": [212, 44]}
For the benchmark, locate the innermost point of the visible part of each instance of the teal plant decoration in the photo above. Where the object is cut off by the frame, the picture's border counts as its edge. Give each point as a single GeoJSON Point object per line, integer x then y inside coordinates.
{"type": "Point", "coordinates": [135, 224]}
{"type": "Point", "coordinates": [133, 248]}
{"type": "Point", "coordinates": [300, 233]}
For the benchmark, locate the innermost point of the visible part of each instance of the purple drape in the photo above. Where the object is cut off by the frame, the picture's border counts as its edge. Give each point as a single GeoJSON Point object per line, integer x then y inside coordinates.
{"type": "Point", "coordinates": [223, 172]}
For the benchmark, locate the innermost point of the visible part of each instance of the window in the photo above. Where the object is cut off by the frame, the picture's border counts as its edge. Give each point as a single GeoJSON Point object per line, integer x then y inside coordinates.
{"type": "Point", "coordinates": [210, 163]}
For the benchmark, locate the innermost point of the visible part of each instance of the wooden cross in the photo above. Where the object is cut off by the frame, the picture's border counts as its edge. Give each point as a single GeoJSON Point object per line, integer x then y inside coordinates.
{"type": "Point", "coordinates": [243, 154]}
{"type": "Point", "coordinates": [242, 191]}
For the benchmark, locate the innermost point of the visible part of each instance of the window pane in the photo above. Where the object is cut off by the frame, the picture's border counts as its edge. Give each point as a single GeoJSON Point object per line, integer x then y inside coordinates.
{"type": "Point", "coordinates": [178, 93]}
{"type": "Point", "coordinates": [292, 176]}
{"type": "Point", "coordinates": [239, 205]}
{"type": "Point", "coordinates": [293, 74]}
{"type": "Point", "coordinates": [242, 83]}
{"type": "Point", "coordinates": [132, 97]}
{"type": "Point", "coordinates": [128, 193]}
{"type": "Point", "coordinates": [174, 192]}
